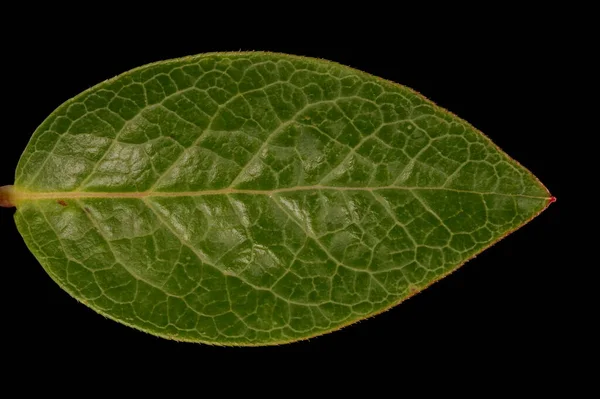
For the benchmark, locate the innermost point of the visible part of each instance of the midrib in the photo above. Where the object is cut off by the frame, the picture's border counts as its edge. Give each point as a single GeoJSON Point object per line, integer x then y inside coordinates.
{"type": "Point", "coordinates": [24, 195]}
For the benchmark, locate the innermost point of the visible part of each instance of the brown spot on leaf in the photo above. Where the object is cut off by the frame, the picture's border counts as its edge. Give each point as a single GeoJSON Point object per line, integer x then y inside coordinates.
{"type": "Point", "coordinates": [61, 203]}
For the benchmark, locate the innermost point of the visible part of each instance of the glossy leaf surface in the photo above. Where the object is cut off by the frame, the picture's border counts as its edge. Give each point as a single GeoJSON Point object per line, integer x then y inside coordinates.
{"type": "Point", "coordinates": [256, 198]}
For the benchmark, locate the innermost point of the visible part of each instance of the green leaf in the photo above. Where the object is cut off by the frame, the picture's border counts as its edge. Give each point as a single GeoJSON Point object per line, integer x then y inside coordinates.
{"type": "Point", "coordinates": [258, 198]}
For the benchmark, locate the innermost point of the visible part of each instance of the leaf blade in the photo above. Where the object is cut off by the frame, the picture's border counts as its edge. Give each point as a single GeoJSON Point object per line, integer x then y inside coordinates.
{"type": "Point", "coordinates": [324, 192]}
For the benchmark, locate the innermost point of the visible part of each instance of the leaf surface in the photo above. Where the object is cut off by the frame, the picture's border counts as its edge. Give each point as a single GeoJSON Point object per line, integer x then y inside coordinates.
{"type": "Point", "coordinates": [258, 198]}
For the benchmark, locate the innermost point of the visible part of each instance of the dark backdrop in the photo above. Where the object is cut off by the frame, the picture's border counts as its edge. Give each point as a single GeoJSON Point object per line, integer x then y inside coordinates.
{"type": "Point", "coordinates": [497, 308]}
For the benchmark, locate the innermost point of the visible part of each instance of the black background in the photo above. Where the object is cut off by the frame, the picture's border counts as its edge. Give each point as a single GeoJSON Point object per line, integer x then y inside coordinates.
{"type": "Point", "coordinates": [497, 308]}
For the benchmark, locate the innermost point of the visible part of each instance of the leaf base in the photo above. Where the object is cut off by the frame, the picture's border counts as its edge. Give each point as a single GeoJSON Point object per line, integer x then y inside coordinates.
{"type": "Point", "coordinates": [7, 197]}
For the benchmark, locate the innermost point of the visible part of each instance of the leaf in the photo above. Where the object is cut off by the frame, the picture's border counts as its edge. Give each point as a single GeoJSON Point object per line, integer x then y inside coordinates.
{"type": "Point", "coordinates": [258, 198]}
